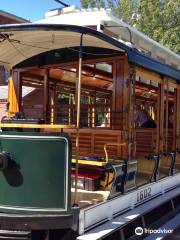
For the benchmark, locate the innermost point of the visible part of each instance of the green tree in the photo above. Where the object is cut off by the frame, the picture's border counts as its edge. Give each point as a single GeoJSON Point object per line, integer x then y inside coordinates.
{"type": "Point", "coordinates": [171, 25]}
{"type": "Point", "coordinates": [84, 3]}
{"type": "Point", "coordinates": [149, 20]}
{"type": "Point", "coordinates": [159, 19]}
{"type": "Point", "coordinates": [123, 8]}
{"type": "Point", "coordinates": [126, 10]}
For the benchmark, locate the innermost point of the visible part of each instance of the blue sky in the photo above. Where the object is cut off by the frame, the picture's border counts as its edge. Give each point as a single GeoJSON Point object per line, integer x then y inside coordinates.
{"type": "Point", "coordinates": [32, 9]}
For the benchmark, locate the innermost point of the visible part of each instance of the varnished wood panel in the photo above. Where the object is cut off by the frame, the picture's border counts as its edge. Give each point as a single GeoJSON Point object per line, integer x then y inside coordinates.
{"type": "Point", "coordinates": [145, 142]}
{"type": "Point", "coordinates": [92, 142]}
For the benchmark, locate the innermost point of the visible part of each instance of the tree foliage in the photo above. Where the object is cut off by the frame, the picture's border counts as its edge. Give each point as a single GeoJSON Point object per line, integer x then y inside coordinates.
{"type": "Point", "coordinates": [159, 19]}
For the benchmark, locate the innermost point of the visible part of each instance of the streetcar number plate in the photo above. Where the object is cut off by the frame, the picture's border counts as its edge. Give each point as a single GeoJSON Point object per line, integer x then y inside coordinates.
{"type": "Point", "coordinates": [143, 194]}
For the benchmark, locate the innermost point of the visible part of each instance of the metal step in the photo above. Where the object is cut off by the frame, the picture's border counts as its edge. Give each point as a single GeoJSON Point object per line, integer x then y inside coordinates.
{"type": "Point", "coordinates": [143, 216]}
{"type": "Point", "coordinates": [15, 235]}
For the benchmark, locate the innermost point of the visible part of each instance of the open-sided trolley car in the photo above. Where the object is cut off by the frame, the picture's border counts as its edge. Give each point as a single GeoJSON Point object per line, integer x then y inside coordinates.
{"type": "Point", "coordinates": [98, 134]}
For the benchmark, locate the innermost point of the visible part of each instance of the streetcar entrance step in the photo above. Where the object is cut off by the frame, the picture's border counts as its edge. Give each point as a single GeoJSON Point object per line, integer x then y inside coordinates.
{"type": "Point", "coordinates": [142, 216]}
{"type": "Point", "coordinates": [15, 235]}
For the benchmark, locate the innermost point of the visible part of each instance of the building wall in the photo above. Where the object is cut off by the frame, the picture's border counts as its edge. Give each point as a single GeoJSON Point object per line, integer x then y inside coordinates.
{"type": "Point", "coordinates": [3, 105]}
{"type": "Point", "coordinates": [33, 104]}
{"type": "Point", "coordinates": [3, 76]}
{"type": "Point", "coordinates": [6, 18]}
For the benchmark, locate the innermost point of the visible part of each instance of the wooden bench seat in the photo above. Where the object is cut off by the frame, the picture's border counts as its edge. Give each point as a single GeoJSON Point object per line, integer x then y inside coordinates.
{"type": "Point", "coordinates": [177, 167]}
{"type": "Point", "coordinates": [165, 165]}
{"type": "Point", "coordinates": [145, 170]}
{"type": "Point", "coordinates": [145, 145]}
{"type": "Point", "coordinates": [92, 141]}
{"type": "Point", "coordinates": [90, 162]}
{"type": "Point", "coordinates": [166, 159]}
{"type": "Point", "coordinates": [177, 163]}
{"type": "Point", "coordinates": [142, 178]}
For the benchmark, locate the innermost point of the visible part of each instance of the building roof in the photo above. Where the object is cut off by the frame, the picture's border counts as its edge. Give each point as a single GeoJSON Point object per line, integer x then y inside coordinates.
{"type": "Point", "coordinates": [4, 92]}
{"type": "Point", "coordinates": [13, 17]}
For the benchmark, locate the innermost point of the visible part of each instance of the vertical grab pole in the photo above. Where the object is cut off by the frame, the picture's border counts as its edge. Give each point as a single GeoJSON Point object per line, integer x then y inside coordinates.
{"type": "Point", "coordinates": [167, 115]}
{"type": "Point", "coordinates": [132, 105]}
{"type": "Point", "coordinates": [78, 102]}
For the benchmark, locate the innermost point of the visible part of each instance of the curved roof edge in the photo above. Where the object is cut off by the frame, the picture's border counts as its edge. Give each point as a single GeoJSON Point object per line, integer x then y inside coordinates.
{"type": "Point", "coordinates": [135, 57]}
{"type": "Point", "coordinates": [63, 27]}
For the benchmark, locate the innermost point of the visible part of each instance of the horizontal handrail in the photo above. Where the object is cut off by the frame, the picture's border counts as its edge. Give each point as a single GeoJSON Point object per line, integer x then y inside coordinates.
{"type": "Point", "coordinates": [22, 125]}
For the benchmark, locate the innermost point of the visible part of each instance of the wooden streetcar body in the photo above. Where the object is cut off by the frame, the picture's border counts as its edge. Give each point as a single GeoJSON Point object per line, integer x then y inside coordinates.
{"type": "Point", "coordinates": [67, 66]}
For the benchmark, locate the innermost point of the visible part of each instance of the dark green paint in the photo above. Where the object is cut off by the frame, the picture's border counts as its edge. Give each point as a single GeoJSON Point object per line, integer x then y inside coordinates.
{"type": "Point", "coordinates": [37, 178]}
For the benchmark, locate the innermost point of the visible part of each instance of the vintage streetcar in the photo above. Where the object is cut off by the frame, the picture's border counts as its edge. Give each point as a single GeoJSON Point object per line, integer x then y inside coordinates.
{"type": "Point", "coordinates": [96, 137]}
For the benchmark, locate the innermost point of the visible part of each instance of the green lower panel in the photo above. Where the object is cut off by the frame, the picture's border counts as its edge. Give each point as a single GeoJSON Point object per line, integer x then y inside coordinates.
{"type": "Point", "coordinates": [39, 173]}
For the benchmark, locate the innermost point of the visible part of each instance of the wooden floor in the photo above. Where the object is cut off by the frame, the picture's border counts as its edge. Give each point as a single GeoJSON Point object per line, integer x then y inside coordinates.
{"type": "Point", "coordinates": [87, 198]}
{"type": "Point", "coordinates": [142, 179]}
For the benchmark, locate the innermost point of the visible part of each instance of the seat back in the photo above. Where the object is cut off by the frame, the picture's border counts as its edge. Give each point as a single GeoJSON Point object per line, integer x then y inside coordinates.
{"type": "Point", "coordinates": [145, 145]}
{"type": "Point", "coordinates": [92, 141]}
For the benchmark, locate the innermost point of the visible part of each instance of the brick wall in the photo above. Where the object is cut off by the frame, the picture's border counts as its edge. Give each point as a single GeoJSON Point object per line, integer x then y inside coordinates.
{"type": "Point", "coordinates": [2, 109]}
{"type": "Point", "coordinates": [3, 76]}
{"type": "Point", "coordinates": [33, 104]}
{"type": "Point", "coordinates": [5, 20]}
{"type": "Point", "coordinates": [8, 18]}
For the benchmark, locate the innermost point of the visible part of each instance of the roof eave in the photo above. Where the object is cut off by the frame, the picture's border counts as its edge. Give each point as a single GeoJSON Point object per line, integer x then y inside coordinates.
{"type": "Point", "coordinates": [149, 63]}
